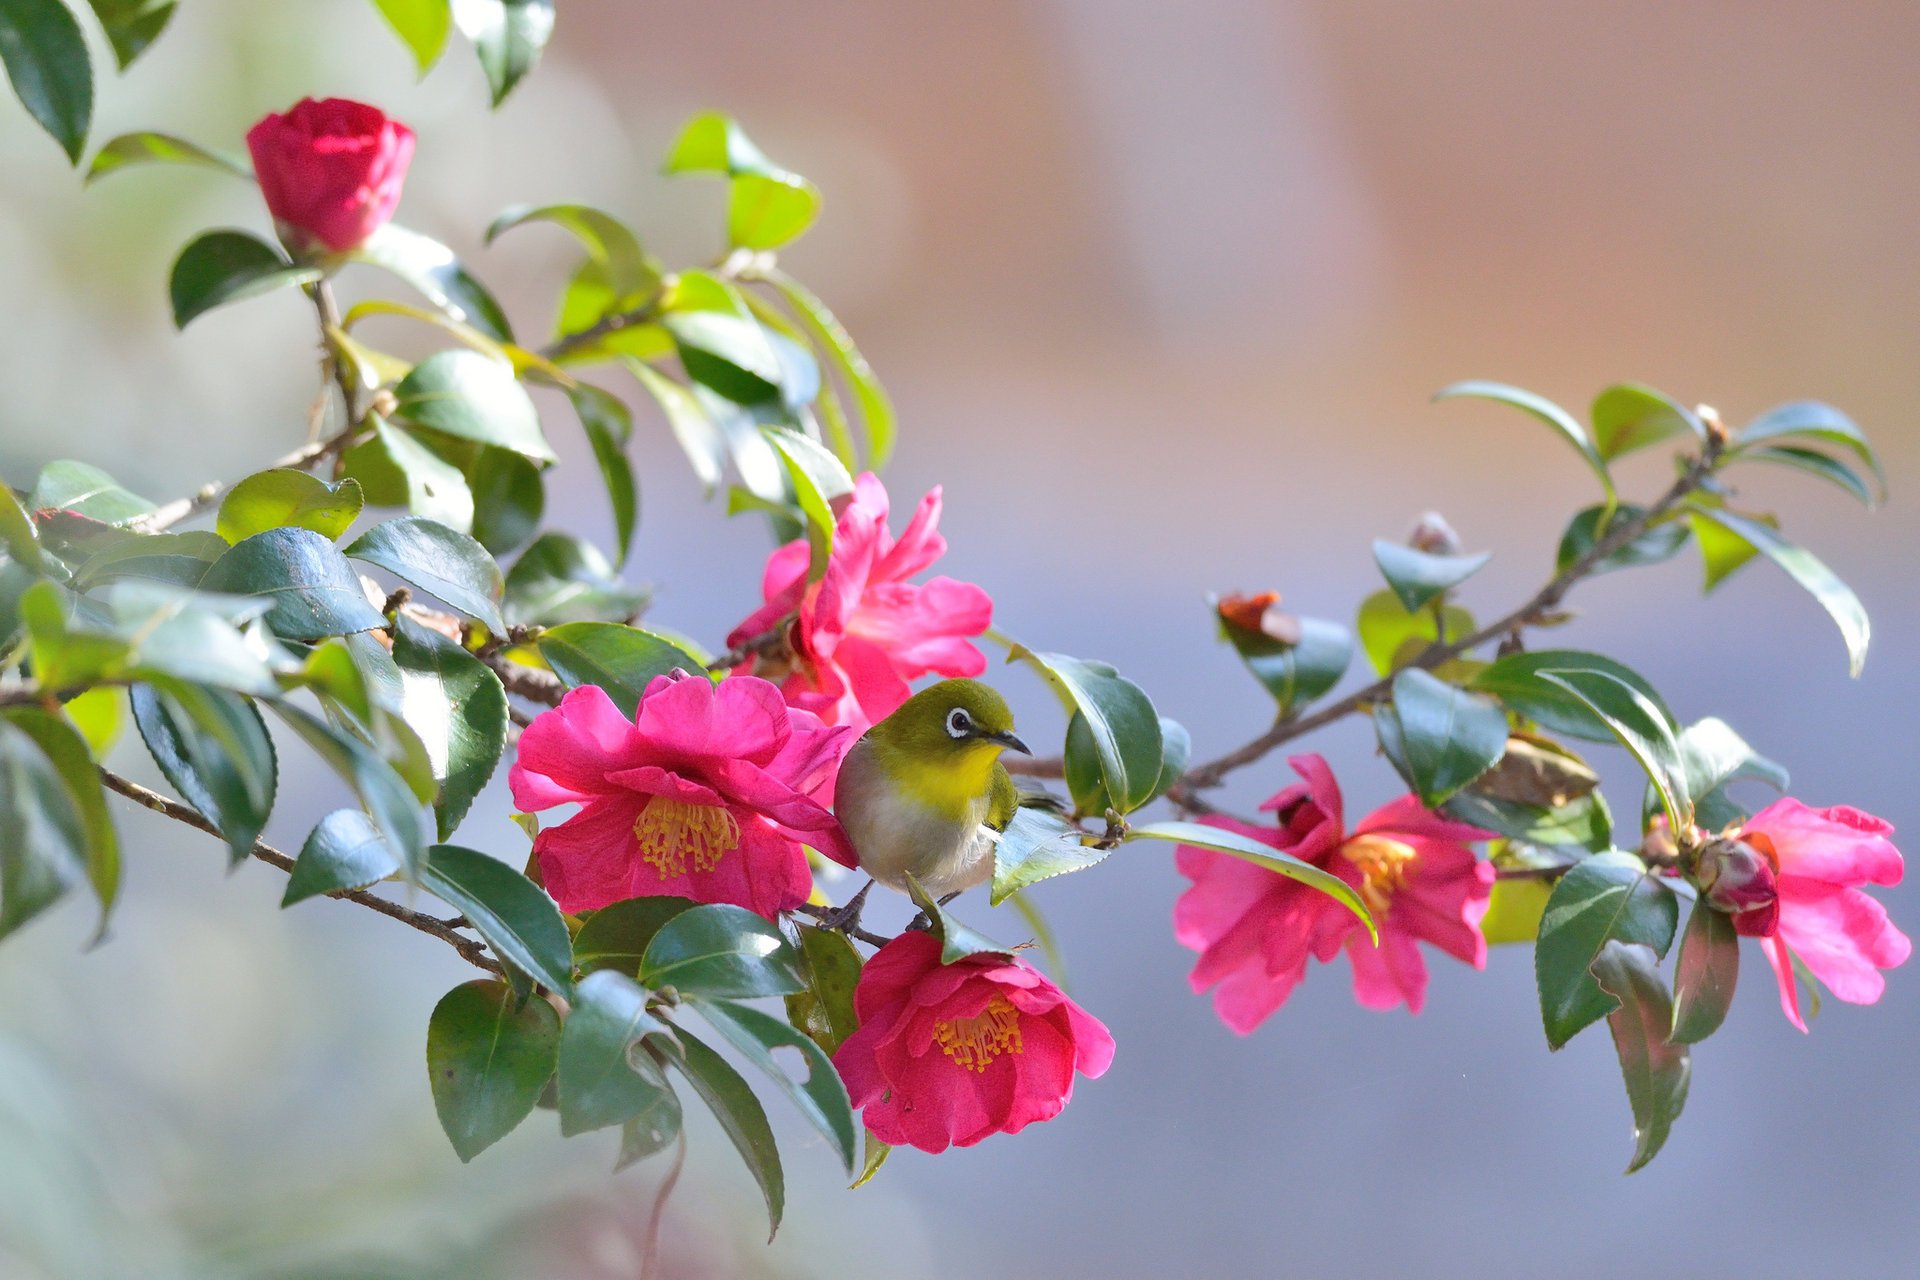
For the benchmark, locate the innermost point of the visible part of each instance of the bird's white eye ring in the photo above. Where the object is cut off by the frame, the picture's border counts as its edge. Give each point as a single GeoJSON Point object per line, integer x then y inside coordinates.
{"type": "Point", "coordinates": [959, 723]}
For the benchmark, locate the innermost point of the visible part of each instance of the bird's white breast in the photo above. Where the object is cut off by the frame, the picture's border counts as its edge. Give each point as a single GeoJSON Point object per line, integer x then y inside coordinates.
{"type": "Point", "coordinates": [894, 834]}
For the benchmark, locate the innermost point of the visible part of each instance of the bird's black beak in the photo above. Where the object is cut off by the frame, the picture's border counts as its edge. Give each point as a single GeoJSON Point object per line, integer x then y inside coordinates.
{"type": "Point", "coordinates": [1008, 741]}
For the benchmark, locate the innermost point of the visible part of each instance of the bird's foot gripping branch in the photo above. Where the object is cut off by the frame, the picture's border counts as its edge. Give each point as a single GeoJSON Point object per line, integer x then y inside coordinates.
{"type": "Point", "coordinates": [388, 596]}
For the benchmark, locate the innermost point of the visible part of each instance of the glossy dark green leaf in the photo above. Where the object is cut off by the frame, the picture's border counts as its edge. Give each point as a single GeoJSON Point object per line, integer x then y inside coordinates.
{"type": "Point", "coordinates": [1656, 1071]}
{"type": "Point", "coordinates": [1037, 846]}
{"type": "Point", "coordinates": [1248, 849]}
{"type": "Point", "coordinates": [1543, 410]}
{"type": "Point", "coordinates": [1809, 420]}
{"type": "Point", "coordinates": [616, 936]}
{"type": "Point", "coordinates": [458, 708]}
{"type": "Point", "coordinates": [1418, 577]}
{"type": "Point", "coordinates": [286, 497]}
{"type": "Point", "coordinates": [489, 1054]}
{"type": "Point", "coordinates": [131, 25]}
{"type": "Point", "coordinates": [441, 561]}
{"type": "Point", "coordinates": [508, 500]}
{"type": "Point", "coordinates": [45, 849]}
{"type": "Point", "coordinates": [144, 148]}
{"type": "Point", "coordinates": [226, 266]}
{"type": "Point", "coordinates": [721, 950]}
{"type": "Point", "coordinates": [344, 851]}
{"type": "Point", "coordinates": [1819, 465]}
{"type": "Point", "coordinates": [957, 939]}
{"type": "Point", "coordinates": [1813, 576]}
{"type": "Point", "coordinates": [383, 792]}
{"type": "Point", "coordinates": [1392, 634]}
{"type": "Point", "coordinates": [699, 438]}
{"type": "Point", "coordinates": [396, 468]}
{"type": "Point", "coordinates": [1515, 680]}
{"type": "Point", "coordinates": [1704, 975]}
{"type": "Point", "coordinates": [1295, 674]}
{"type": "Point", "coordinates": [314, 591]}
{"type": "Point", "coordinates": [508, 36]}
{"type": "Point", "coordinates": [1641, 726]}
{"type": "Point", "coordinates": [740, 1115]}
{"type": "Point", "coordinates": [1629, 416]}
{"type": "Point", "coordinates": [1438, 736]}
{"type": "Point", "coordinates": [1610, 897]}
{"type": "Point", "coordinates": [1582, 825]}
{"type": "Point", "coordinates": [821, 1097]}
{"type": "Point", "coordinates": [831, 338]}
{"type": "Point", "coordinates": [422, 24]}
{"type": "Point", "coordinates": [472, 396]}
{"type": "Point", "coordinates": [831, 965]}
{"type": "Point", "coordinates": [620, 659]}
{"type": "Point", "coordinates": [561, 578]}
{"type": "Point", "coordinates": [518, 921]}
{"type": "Point", "coordinates": [728, 352]}
{"type": "Point", "coordinates": [605, 1076]}
{"type": "Point", "coordinates": [46, 58]}
{"type": "Point", "coordinates": [1661, 542]}
{"type": "Point", "coordinates": [650, 1132]}
{"type": "Point", "coordinates": [431, 268]}
{"type": "Point", "coordinates": [67, 751]}
{"type": "Point", "coordinates": [608, 426]}
{"type": "Point", "coordinates": [1125, 727]}
{"type": "Point", "coordinates": [1713, 756]}
{"type": "Point", "coordinates": [75, 486]}
{"type": "Point", "coordinates": [216, 752]}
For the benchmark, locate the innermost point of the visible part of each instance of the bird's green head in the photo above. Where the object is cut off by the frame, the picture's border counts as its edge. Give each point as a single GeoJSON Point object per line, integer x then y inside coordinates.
{"type": "Point", "coordinates": [952, 724]}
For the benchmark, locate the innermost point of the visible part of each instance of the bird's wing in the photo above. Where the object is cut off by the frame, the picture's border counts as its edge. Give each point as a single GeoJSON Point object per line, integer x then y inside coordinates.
{"type": "Point", "coordinates": [1003, 801]}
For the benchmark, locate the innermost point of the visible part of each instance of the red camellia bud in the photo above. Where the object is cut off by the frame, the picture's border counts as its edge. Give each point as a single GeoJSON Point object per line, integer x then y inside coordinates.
{"type": "Point", "coordinates": [947, 1054]}
{"type": "Point", "coordinates": [331, 171]}
{"type": "Point", "coordinates": [1739, 879]}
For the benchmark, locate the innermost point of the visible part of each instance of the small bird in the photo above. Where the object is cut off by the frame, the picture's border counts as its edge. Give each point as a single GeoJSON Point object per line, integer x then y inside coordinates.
{"type": "Point", "coordinates": [924, 793]}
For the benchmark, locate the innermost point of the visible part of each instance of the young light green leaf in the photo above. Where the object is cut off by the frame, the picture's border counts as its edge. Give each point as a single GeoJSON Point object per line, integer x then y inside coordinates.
{"type": "Point", "coordinates": [769, 211]}
{"type": "Point", "coordinates": [821, 1097]}
{"type": "Point", "coordinates": [226, 266]}
{"type": "Point", "coordinates": [489, 1054]}
{"type": "Point", "coordinates": [1813, 576]}
{"type": "Point", "coordinates": [628, 271]}
{"type": "Point", "coordinates": [1392, 634]}
{"type": "Point", "coordinates": [46, 58]}
{"type": "Point", "coordinates": [1704, 976]}
{"type": "Point", "coordinates": [1438, 736]}
{"type": "Point", "coordinates": [518, 921]}
{"type": "Point", "coordinates": [131, 149]}
{"type": "Point", "coordinates": [285, 497]}
{"type": "Point", "coordinates": [1629, 416]}
{"type": "Point", "coordinates": [432, 268]}
{"type": "Point", "coordinates": [818, 479]}
{"type": "Point", "coordinates": [314, 591]}
{"type": "Point", "coordinates": [442, 561]}
{"type": "Point", "coordinates": [458, 708]}
{"type": "Point", "coordinates": [622, 660]}
{"type": "Point", "coordinates": [1125, 727]}
{"type": "Point", "coordinates": [740, 1115]}
{"type": "Point", "coordinates": [344, 851]}
{"type": "Point", "coordinates": [1655, 1070]}
{"type": "Point", "coordinates": [721, 950]}
{"type": "Point", "coordinates": [1641, 726]}
{"type": "Point", "coordinates": [422, 24]}
{"type": "Point", "coordinates": [1610, 897]}
{"type": "Point", "coordinates": [1544, 410]}
{"type": "Point", "coordinates": [508, 36]}
{"type": "Point", "coordinates": [1418, 577]}
{"type": "Point", "coordinates": [1248, 849]}
{"type": "Point", "coordinates": [605, 1076]}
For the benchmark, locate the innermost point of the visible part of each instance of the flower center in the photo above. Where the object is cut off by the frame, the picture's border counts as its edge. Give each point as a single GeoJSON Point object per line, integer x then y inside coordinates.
{"type": "Point", "coordinates": [1383, 866]}
{"type": "Point", "coordinates": [672, 833]}
{"type": "Point", "coordinates": [975, 1042]}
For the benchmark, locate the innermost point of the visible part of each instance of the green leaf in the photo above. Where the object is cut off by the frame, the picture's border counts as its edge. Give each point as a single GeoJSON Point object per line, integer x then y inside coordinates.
{"type": "Point", "coordinates": [1714, 756]}
{"type": "Point", "coordinates": [605, 1076]}
{"type": "Point", "coordinates": [699, 438]}
{"type": "Point", "coordinates": [88, 491]}
{"type": "Point", "coordinates": [767, 211]}
{"type": "Point", "coordinates": [489, 1054]}
{"type": "Point", "coordinates": [18, 538]}
{"type": "Point", "coordinates": [131, 25]}
{"type": "Point", "coordinates": [818, 479]}
{"type": "Point", "coordinates": [441, 561]}
{"type": "Point", "coordinates": [616, 936]}
{"type": "Point", "coordinates": [1248, 849]}
{"type": "Point", "coordinates": [1641, 726]}
{"type": "Point", "coordinates": [518, 921]}
{"type": "Point", "coordinates": [99, 715]}
{"type": "Point", "coordinates": [508, 35]}
{"type": "Point", "coordinates": [1295, 674]}
{"type": "Point", "coordinates": [1661, 542]}
{"type": "Point", "coordinates": [285, 497]}
{"type": "Point", "coordinates": [1819, 465]}
{"type": "Point", "coordinates": [832, 968]}
{"type": "Point", "coordinates": [1394, 635]}
{"type": "Point", "coordinates": [458, 708]}
{"type": "Point", "coordinates": [471, 396]}
{"type": "Point", "coordinates": [622, 660]}
{"type": "Point", "coordinates": [1810, 420]}
{"type": "Point", "coordinates": [650, 1132]}
{"type": "Point", "coordinates": [721, 950]}
{"type": "Point", "coordinates": [1610, 897]}
{"type": "Point", "coordinates": [957, 940]}
{"type": "Point", "coordinates": [190, 636]}
{"type": "Point", "coordinates": [608, 426]}
{"type": "Point", "coordinates": [227, 266]}
{"type": "Point", "coordinates": [627, 271]}
{"type": "Point", "coordinates": [143, 148]}
{"type": "Point", "coordinates": [1514, 910]}
{"type": "Point", "coordinates": [45, 850]}
{"type": "Point", "coordinates": [46, 58]}
{"type": "Point", "coordinates": [1814, 577]}
{"type": "Point", "coordinates": [314, 591]}
{"type": "Point", "coordinates": [831, 338]}
{"type": "Point", "coordinates": [726, 351]}
{"type": "Point", "coordinates": [384, 794]}
{"type": "Point", "coordinates": [1582, 825]}
{"type": "Point", "coordinates": [344, 851]}
{"type": "Point", "coordinates": [714, 143]}
{"type": "Point", "coordinates": [175, 559]}
{"type": "Point", "coordinates": [1705, 974]}
{"type": "Point", "coordinates": [740, 1115]}
{"type": "Point", "coordinates": [1544, 410]}
{"type": "Point", "coordinates": [1439, 737]}
{"type": "Point", "coordinates": [1722, 553]}
{"type": "Point", "coordinates": [431, 268]}
{"type": "Point", "coordinates": [215, 751]}
{"type": "Point", "coordinates": [821, 1097]}
{"type": "Point", "coordinates": [1037, 846]}
{"type": "Point", "coordinates": [876, 1153]}
{"type": "Point", "coordinates": [70, 757]}
{"type": "Point", "coordinates": [1516, 681]}
{"type": "Point", "coordinates": [508, 500]}
{"type": "Point", "coordinates": [1125, 727]}
{"type": "Point", "coordinates": [1656, 1071]}
{"type": "Point", "coordinates": [1418, 577]}
{"type": "Point", "coordinates": [561, 578]}
{"type": "Point", "coordinates": [422, 24]}
{"type": "Point", "coordinates": [1628, 416]}
{"type": "Point", "coordinates": [396, 469]}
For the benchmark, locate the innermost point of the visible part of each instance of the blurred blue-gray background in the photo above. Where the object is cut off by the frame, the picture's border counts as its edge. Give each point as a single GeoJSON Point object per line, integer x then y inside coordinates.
{"type": "Point", "coordinates": [1161, 291]}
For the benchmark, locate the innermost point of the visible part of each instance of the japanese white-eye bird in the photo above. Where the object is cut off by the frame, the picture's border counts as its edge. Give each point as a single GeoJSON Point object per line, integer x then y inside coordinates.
{"type": "Point", "coordinates": [924, 793]}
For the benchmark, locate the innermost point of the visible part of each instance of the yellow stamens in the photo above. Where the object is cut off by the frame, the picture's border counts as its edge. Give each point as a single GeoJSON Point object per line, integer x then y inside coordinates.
{"type": "Point", "coordinates": [975, 1042]}
{"type": "Point", "coordinates": [1383, 867]}
{"type": "Point", "coordinates": [670, 831]}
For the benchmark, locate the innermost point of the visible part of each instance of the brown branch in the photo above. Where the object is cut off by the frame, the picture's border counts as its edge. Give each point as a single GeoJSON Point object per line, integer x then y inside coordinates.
{"type": "Point", "coordinates": [527, 682]}
{"type": "Point", "coordinates": [821, 913]}
{"type": "Point", "coordinates": [473, 952]}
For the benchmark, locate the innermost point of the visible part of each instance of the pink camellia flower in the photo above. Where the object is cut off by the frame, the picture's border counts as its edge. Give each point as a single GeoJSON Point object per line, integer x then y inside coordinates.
{"type": "Point", "coordinates": [331, 171]}
{"type": "Point", "coordinates": [1819, 859]}
{"type": "Point", "coordinates": [863, 631]}
{"type": "Point", "coordinates": [707, 793]}
{"type": "Point", "coordinates": [947, 1054]}
{"type": "Point", "coordinates": [1254, 928]}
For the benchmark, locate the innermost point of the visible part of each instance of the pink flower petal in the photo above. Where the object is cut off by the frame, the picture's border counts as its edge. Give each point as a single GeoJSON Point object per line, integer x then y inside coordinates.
{"type": "Point", "coordinates": [1842, 936]}
{"type": "Point", "coordinates": [1840, 845]}
{"type": "Point", "coordinates": [565, 754]}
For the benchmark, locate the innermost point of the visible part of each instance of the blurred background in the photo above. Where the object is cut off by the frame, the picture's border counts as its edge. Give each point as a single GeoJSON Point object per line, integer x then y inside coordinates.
{"type": "Point", "coordinates": [1161, 292]}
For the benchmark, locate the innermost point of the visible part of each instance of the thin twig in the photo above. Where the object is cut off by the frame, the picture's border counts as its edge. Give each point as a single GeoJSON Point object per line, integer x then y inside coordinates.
{"type": "Point", "coordinates": [332, 360]}
{"type": "Point", "coordinates": [473, 952]}
{"type": "Point", "coordinates": [821, 913]}
{"type": "Point", "coordinates": [305, 457]}
{"type": "Point", "coordinates": [769, 643]}
{"type": "Point", "coordinates": [528, 682]}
